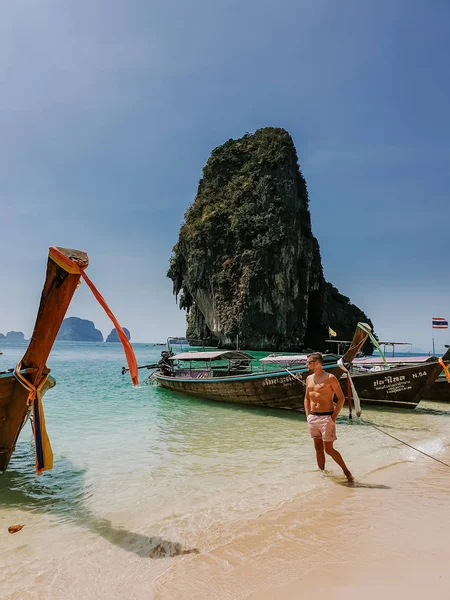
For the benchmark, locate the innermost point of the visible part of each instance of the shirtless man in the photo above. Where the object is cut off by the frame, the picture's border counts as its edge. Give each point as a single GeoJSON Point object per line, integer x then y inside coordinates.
{"type": "Point", "coordinates": [321, 413]}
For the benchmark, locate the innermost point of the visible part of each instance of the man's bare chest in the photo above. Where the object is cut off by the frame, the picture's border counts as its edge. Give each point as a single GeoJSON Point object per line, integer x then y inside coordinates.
{"type": "Point", "coordinates": [319, 387]}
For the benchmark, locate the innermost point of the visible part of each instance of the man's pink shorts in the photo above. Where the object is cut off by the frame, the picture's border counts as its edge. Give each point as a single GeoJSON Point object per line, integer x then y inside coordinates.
{"type": "Point", "coordinates": [322, 427]}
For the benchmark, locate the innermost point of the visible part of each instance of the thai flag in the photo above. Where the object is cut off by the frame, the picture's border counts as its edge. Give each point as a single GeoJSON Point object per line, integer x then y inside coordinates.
{"type": "Point", "coordinates": [438, 323]}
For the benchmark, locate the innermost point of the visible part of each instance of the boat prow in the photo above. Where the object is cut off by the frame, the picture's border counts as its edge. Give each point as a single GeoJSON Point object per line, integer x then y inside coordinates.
{"type": "Point", "coordinates": [60, 284]}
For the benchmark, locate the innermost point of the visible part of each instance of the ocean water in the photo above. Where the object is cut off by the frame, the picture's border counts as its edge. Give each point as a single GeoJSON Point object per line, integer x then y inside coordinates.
{"type": "Point", "coordinates": [146, 479]}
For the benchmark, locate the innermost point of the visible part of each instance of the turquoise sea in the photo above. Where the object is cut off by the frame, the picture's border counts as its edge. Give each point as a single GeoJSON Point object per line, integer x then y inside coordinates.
{"type": "Point", "coordinates": [146, 480]}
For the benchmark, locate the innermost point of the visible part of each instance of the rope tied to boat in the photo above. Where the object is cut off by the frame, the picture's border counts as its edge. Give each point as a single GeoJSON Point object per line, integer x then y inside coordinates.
{"type": "Point", "coordinates": [295, 377]}
{"type": "Point", "coordinates": [43, 448]}
{"type": "Point", "coordinates": [71, 267]}
{"type": "Point", "coordinates": [444, 368]}
{"type": "Point", "coordinates": [406, 443]}
{"type": "Point", "coordinates": [356, 400]}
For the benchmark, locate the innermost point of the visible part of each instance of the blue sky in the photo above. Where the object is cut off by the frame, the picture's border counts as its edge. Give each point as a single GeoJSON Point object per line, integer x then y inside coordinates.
{"type": "Point", "coordinates": [110, 109]}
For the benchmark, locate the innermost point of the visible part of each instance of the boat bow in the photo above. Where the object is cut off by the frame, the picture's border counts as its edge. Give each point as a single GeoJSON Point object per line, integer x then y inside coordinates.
{"type": "Point", "coordinates": [18, 393]}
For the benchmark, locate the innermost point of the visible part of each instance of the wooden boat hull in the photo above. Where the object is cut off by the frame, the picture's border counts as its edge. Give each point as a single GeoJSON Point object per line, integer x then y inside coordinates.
{"type": "Point", "coordinates": [275, 389]}
{"type": "Point", "coordinates": [272, 390]}
{"type": "Point", "coordinates": [59, 287]}
{"type": "Point", "coordinates": [401, 387]}
{"type": "Point", "coordinates": [439, 391]}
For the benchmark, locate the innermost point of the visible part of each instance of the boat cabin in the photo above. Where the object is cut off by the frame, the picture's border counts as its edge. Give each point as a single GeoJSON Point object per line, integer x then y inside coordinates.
{"type": "Point", "coordinates": [203, 365]}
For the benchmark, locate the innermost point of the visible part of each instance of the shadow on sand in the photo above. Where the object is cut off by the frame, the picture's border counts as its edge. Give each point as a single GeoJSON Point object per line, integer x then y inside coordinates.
{"type": "Point", "coordinates": [62, 494]}
{"type": "Point", "coordinates": [357, 484]}
{"type": "Point", "coordinates": [369, 486]}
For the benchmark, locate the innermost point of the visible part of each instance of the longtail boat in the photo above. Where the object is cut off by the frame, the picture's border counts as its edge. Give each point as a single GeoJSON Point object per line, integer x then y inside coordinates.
{"type": "Point", "coordinates": [203, 375]}
{"type": "Point", "coordinates": [22, 387]}
{"type": "Point", "coordinates": [399, 382]}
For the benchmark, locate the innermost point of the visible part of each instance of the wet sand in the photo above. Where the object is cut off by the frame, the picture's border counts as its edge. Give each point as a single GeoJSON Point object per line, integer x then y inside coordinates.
{"type": "Point", "coordinates": [401, 544]}
{"type": "Point", "coordinates": [386, 537]}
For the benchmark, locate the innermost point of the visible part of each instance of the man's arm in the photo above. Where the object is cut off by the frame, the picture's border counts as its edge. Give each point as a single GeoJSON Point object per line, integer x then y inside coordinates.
{"type": "Point", "coordinates": [307, 401]}
{"type": "Point", "coordinates": [340, 396]}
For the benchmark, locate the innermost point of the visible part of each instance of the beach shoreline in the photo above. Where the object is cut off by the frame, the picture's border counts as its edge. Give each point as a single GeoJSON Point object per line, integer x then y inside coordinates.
{"type": "Point", "coordinates": [405, 550]}
{"type": "Point", "coordinates": [143, 475]}
{"type": "Point", "coordinates": [387, 535]}
{"type": "Point", "coordinates": [382, 536]}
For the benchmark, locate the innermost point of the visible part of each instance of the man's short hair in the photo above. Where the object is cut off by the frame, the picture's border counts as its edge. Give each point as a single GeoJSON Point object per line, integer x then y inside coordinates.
{"type": "Point", "coordinates": [316, 356]}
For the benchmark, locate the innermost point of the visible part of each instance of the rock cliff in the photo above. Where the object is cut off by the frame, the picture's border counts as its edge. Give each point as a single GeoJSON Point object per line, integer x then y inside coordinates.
{"type": "Point", "coordinates": [246, 262]}
{"type": "Point", "coordinates": [113, 337]}
{"type": "Point", "coordinates": [74, 329]}
{"type": "Point", "coordinates": [342, 315]}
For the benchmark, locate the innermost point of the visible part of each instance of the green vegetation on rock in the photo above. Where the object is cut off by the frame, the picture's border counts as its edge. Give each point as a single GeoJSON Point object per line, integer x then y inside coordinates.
{"type": "Point", "coordinates": [246, 262]}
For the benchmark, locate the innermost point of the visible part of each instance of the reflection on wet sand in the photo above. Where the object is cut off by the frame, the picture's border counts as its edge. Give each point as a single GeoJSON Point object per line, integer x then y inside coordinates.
{"type": "Point", "coordinates": [63, 495]}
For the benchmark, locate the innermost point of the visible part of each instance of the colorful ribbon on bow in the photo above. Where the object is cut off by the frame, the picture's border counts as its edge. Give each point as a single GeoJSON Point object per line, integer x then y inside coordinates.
{"type": "Point", "coordinates": [445, 369]}
{"type": "Point", "coordinates": [68, 265]}
{"type": "Point", "coordinates": [44, 452]}
{"type": "Point", "coordinates": [356, 399]}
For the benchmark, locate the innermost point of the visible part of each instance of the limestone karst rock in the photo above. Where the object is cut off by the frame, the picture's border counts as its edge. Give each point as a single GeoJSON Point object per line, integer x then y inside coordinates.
{"type": "Point", "coordinates": [246, 262]}
{"type": "Point", "coordinates": [74, 329]}
{"type": "Point", "coordinates": [113, 337]}
{"type": "Point", "coordinates": [15, 336]}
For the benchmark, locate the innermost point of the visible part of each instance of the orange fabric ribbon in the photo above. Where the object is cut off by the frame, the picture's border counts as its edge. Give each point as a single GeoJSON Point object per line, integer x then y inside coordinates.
{"type": "Point", "coordinates": [73, 268]}
{"type": "Point", "coordinates": [445, 369]}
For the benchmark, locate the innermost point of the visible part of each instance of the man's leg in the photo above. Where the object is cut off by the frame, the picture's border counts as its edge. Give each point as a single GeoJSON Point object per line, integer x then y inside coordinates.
{"type": "Point", "coordinates": [335, 455]}
{"type": "Point", "coordinates": [320, 453]}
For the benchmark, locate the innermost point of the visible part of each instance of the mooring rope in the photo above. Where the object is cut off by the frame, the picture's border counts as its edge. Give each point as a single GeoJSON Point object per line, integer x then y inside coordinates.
{"type": "Point", "coordinates": [406, 443]}
{"type": "Point", "coordinates": [297, 378]}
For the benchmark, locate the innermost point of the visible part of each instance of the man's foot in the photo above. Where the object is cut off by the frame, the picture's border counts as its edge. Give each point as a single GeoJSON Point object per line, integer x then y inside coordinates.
{"type": "Point", "coordinates": [350, 478]}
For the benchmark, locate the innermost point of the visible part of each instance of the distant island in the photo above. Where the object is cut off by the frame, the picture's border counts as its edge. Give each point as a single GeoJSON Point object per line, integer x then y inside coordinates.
{"type": "Point", "coordinates": [13, 336]}
{"type": "Point", "coordinates": [74, 329]}
{"type": "Point", "coordinates": [113, 336]}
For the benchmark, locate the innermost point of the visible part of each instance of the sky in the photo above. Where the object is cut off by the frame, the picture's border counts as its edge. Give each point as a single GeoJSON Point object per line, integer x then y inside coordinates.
{"type": "Point", "coordinates": [110, 109]}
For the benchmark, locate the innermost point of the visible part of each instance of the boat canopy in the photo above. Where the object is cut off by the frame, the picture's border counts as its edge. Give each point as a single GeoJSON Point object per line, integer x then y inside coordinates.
{"type": "Point", "coordinates": [213, 355]}
{"type": "Point", "coordinates": [181, 341]}
{"type": "Point", "coordinates": [285, 359]}
{"type": "Point", "coordinates": [377, 360]}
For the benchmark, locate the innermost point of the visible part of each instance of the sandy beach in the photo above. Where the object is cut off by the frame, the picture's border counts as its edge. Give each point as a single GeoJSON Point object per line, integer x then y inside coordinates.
{"type": "Point", "coordinates": [239, 486]}
{"type": "Point", "coordinates": [400, 543]}
{"type": "Point", "coordinates": [385, 537]}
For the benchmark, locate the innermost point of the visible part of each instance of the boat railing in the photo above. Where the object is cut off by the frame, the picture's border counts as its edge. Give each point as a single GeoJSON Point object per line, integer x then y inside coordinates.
{"type": "Point", "coordinates": [201, 369]}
